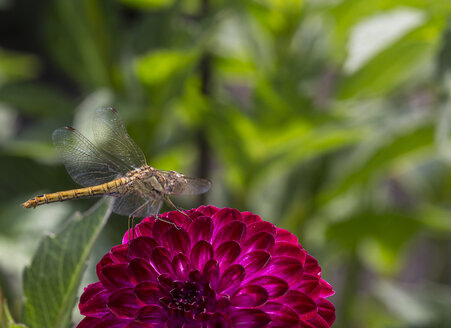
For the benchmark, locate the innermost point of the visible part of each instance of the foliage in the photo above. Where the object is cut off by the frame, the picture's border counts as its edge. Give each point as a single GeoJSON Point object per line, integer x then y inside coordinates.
{"type": "Point", "coordinates": [51, 281]}
{"type": "Point", "coordinates": [331, 116]}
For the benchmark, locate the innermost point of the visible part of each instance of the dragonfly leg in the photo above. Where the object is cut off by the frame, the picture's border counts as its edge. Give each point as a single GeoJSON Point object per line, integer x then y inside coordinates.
{"type": "Point", "coordinates": [128, 229]}
{"type": "Point", "coordinates": [157, 215]}
{"type": "Point", "coordinates": [168, 200]}
{"type": "Point", "coordinates": [131, 227]}
{"type": "Point", "coordinates": [169, 222]}
{"type": "Point", "coordinates": [130, 218]}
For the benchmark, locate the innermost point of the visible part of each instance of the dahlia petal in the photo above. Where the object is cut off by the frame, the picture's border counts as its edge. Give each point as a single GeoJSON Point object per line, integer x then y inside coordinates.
{"type": "Point", "coordinates": [274, 286]}
{"type": "Point", "coordinates": [234, 230]}
{"type": "Point", "coordinates": [255, 261]}
{"type": "Point", "coordinates": [166, 282]}
{"type": "Point", "coordinates": [222, 303]}
{"type": "Point", "coordinates": [318, 322]}
{"type": "Point", "coordinates": [119, 254]}
{"type": "Point", "coordinates": [281, 315]}
{"type": "Point", "coordinates": [135, 324]}
{"type": "Point", "coordinates": [201, 253]}
{"type": "Point", "coordinates": [141, 270]}
{"type": "Point", "coordinates": [326, 289]}
{"type": "Point", "coordinates": [311, 266]}
{"type": "Point", "coordinates": [145, 228]}
{"type": "Point", "coordinates": [173, 323]}
{"type": "Point", "coordinates": [326, 310]}
{"type": "Point", "coordinates": [181, 266]}
{"type": "Point", "coordinates": [161, 260]}
{"type": "Point", "coordinates": [303, 304]}
{"type": "Point", "coordinates": [285, 235]}
{"type": "Point", "coordinates": [231, 278]}
{"type": "Point", "coordinates": [177, 241]}
{"type": "Point", "coordinates": [123, 303]}
{"type": "Point", "coordinates": [152, 314]}
{"type": "Point", "coordinates": [249, 296]}
{"type": "Point", "coordinates": [127, 236]}
{"type": "Point", "coordinates": [261, 226]}
{"type": "Point", "coordinates": [181, 220]}
{"type": "Point", "coordinates": [225, 216]}
{"type": "Point", "coordinates": [142, 247]}
{"type": "Point", "coordinates": [94, 305]}
{"type": "Point", "coordinates": [88, 322]}
{"type": "Point", "coordinates": [309, 285]}
{"type": "Point", "coordinates": [249, 318]}
{"type": "Point", "coordinates": [109, 321]}
{"type": "Point", "coordinates": [201, 229]}
{"type": "Point", "coordinates": [287, 268]}
{"type": "Point", "coordinates": [148, 292]}
{"type": "Point", "coordinates": [250, 218]}
{"type": "Point", "coordinates": [115, 276]}
{"type": "Point", "coordinates": [288, 249]}
{"type": "Point", "coordinates": [106, 259]}
{"type": "Point", "coordinates": [227, 253]}
{"type": "Point", "coordinates": [261, 240]}
{"type": "Point", "coordinates": [211, 272]}
{"type": "Point", "coordinates": [305, 324]}
{"type": "Point", "coordinates": [218, 320]}
{"type": "Point", "coordinates": [192, 324]}
{"type": "Point", "coordinates": [208, 210]}
{"type": "Point", "coordinates": [159, 229]}
{"type": "Point", "coordinates": [90, 291]}
{"type": "Point", "coordinates": [195, 276]}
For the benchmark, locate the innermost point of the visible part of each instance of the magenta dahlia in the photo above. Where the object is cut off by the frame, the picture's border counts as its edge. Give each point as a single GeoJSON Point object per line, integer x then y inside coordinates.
{"type": "Point", "coordinates": [217, 268]}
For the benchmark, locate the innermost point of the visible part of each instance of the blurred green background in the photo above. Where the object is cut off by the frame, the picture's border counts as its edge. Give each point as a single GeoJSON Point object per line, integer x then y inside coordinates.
{"type": "Point", "coordinates": [329, 118]}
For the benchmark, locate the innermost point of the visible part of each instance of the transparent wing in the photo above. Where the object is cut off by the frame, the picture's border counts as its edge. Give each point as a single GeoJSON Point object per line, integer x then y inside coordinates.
{"type": "Point", "coordinates": [134, 204]}
{"type": "Point", "coordinates": [196, 186]}
{"type": "Point", "coordinates": [111, 136]}
{"type": "Point", "coordinates": [86, 164]}
{"type": "Point", "coordinates": [179, 184]}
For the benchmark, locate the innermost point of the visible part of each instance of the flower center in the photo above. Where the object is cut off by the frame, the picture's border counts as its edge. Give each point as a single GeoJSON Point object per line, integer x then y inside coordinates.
{"type": "Point", "coordinates": [186, 297]}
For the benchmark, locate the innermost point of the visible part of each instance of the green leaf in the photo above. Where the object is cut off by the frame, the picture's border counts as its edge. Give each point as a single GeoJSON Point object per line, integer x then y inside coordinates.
{"type": "Point", "coordinates": [80, 38]}
{"type": "Point", "coordinates": [51, 281]}
{"type": "Point", "coordinates": [159, 66]}
{"type": "Point", "coordinates": [404, 63]}
{"type": "Point", "coordinates": [6, 320]}
{"type": "Point", "coordinates": [378, 235]}
{"type": "Point", "coordinates": [36, 99]}
{"type": "Point", "coordinates": [347, 14]}
{"type": "Point", "coordinates": [148, 4]}
{"type": "Point", "coordinates": [17, 66]}
{"type": "Point", "coordinates": [406, 142]}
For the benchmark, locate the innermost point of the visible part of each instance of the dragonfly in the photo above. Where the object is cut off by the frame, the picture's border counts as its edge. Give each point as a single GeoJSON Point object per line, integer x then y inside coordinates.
{"type": "Point", "coordinates": [115, 166]}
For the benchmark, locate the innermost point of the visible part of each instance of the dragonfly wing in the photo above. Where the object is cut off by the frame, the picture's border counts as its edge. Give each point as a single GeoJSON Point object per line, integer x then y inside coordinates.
{"type": "Point", "coordinates": [86, 164]}
{"type": "Point", "coordinates": [196, 186]}
{"type": "Point", "coordinates": [111, 136]}
{"type": "Point", "coordinates": [136, 205]}
{"type": "Point", "coordinates": [180, 184]}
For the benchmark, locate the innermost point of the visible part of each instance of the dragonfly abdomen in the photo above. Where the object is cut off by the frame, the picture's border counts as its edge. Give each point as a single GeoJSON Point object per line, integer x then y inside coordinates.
{"type": "Point", "coordinates": [61, 196]}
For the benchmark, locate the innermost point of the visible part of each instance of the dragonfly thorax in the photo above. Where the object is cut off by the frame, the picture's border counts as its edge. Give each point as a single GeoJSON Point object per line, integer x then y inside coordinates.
{"type": "Point", "coordinates": [163, 182]}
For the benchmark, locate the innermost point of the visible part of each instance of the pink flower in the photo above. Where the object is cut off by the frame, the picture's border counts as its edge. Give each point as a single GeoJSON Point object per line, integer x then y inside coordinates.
{"type": "Point", "coordinates": [219, 268]}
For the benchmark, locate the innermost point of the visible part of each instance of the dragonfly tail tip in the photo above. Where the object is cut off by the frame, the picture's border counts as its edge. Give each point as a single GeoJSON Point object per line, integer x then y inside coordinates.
{"type": "Point", "coordinates": [31, 203]}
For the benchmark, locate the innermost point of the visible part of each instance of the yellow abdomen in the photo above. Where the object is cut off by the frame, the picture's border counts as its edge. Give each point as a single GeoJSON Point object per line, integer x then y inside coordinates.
{"type": "Point", "coordinates": [61, 196]}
